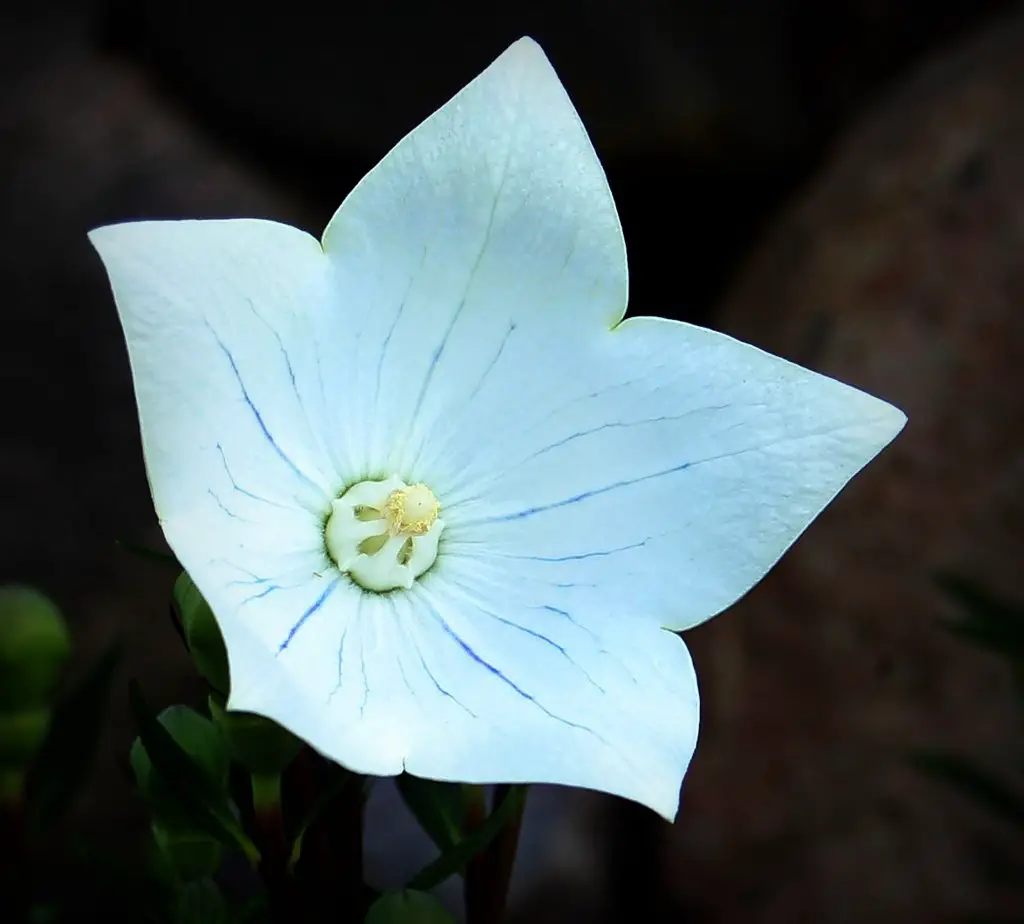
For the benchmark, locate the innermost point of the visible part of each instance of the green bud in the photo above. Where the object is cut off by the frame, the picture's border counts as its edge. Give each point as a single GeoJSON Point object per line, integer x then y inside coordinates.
{"type": "Point", "coordinates": [259, 744]}
{"type": "Point", "coordinates": [189, 854]}
{"type": "Point", "coordinates": [202, 634]}
{"type": "Point", "coordinates": [199, 739]}
{"type": "Point", "coordinates": [21, 736]}
{"type": "Point", "coordinates": [408, 907]}
{"type": "Point", "coordinates": [34, 646]}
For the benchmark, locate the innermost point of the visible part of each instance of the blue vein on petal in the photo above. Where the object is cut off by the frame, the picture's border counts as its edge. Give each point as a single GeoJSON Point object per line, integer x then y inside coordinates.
{"type": "Point", "coordinates": [241, 490]}
{"type": "Point", "coordinates": [493, 362]}
{"type": "Point", "coordinates": [302, 619]}
{"type": "Point", "coordinates": [570, 617]}
{"type": "Point", "coordinates": [622, 425]}
{"type": "Point", "coordinates": [280, 343]}
{"type": "Point", "coordinates": [341, 663]}
{"type": "Point", "coordinates": [220, 503]}
{"type": "Point", "coordinates": [261, 594]}
{"type": "Point", "coordinates": [579, 557]}
{"type": "Point", "coordinates": [592, 634]}
{"type": "Point", "coordinates": [543, 638]}
{"type": "Point", "coordinates": [394, 324]}
{"type": "Point", "coordinates": [259, 418]}
{"type": "Point", "coordinates": [437, 685]}
{"type": "Point", "coordinates": [465, 295]}
{"type": "Point", "coordinates": [467, 402]}
{"type": "Point", "coordinates": [497, 673]}
{"type": "Point", "coordinates": [586, 495]}
{"type": "Point", "coordinates": [402, 630]}
{"type": "Point", "coordinates": [366, 682]}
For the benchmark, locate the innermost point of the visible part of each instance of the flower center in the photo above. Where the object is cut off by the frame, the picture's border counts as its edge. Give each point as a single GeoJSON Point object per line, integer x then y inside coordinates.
{"type": "Point", "coordinates": [384, 534]}
{"type": "Point", "coordinates": [411, 511]}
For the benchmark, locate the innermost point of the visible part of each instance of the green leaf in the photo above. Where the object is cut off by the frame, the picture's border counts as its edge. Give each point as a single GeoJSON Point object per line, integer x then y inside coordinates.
{"type": "Point", "coordinates": [196, 792]}
{"type": "Point", "coordinates": [456, 858]}
{"type": "Point", "coordinates": [259, 744]}
{"type": "Point", "coordinates": [202, 634]}
{"type": "Point", "coordinates": [407, 907]}
{"type": "Point", "coordinates": [68, 753]}
{"type": "Point", "coordinates": [189, 855]}
{"type": "Point", "coordinates": [141, 551]}
{"type": "Point", "coordinates": [974, 782]}
{"type": "Point", "coordinates": [337, 786]}
{"type": "Point", "coordinates": [990, 623]}
{"type": "Point", "coordinates": [202, 743]}
{"type": "Point", "coordinates": [200, 902]}
{"type": "Point", "coordinates": [440, 808]}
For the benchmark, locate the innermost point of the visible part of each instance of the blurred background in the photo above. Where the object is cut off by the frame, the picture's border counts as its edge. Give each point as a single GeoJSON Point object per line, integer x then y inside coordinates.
{"type": "Point", "coordinates": [839, 182]}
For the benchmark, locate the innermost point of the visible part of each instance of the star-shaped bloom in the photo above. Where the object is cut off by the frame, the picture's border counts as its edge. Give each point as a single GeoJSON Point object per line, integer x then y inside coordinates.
{"type": "Point", "coordinates": [449, 508]}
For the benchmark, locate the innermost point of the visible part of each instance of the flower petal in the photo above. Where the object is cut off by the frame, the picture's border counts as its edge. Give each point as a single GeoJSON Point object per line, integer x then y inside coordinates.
{"type": "Point", "coordinates": [672, 470]}
{"type": "Point", "coordinates": [490, 223]}
{"type": "Point", "coordinates": [468, 678]}
{"type": "Point", "coordinates": [523, 691]}
{"type": "Point", "coordinates": [221, 321]}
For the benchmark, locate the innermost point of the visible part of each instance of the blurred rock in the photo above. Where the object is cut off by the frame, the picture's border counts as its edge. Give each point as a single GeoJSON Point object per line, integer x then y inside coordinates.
{"type": "Point", "coordinates": [687, 76]}
{"type": "Point", "coordinates": [87, 141]}
{"type": "Point", "coordinates": [899, 271]}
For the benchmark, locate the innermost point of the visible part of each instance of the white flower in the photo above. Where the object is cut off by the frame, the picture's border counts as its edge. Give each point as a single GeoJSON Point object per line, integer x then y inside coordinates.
{"type": "Point", "coordinates": [452, 355]}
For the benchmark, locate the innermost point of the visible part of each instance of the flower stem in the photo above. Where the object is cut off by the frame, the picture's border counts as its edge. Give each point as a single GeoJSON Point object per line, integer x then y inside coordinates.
{"type": "Point", "coordinates": [331, 865]}
{"type": "Point", "coordinates": [269, 834]}
{"type": "Point", "coordinates": [489, 874]}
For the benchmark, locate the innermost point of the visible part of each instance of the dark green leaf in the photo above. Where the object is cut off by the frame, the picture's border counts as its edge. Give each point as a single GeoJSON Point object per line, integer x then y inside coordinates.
{"type": "Point", "coordinates": [978, 784]}
{"type": "Point", "coordinates": [407, 907]}
{"type": "Point", "coordinates": [456, 858]}
{"type": "Point", "coordinates": [200, 902]}
{"type": "Point", "coordinates": [201, 741]}
{"type": "Point", "coordinates": [141, 551]}
{"type": "Point", "coordinates": [196, 793]}
{"type": "Point", "coordinates": [337, 786]}
{"type": "Point", "coordinates": [440, 808]}
{"type": "Point", "coordinates": [202, 634]}
{"type": "Point", "coordinates": [257, 743]}
{"type": "Point", "coordinates": [67, 754]}
{"type": "Point", "coordinates": [190, 855]}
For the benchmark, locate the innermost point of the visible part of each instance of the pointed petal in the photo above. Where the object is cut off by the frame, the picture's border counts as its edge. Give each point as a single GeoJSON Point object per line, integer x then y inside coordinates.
{"type": "Point", "coordinates": [491, 222]}
{"type": "Point", "coordinates": [675, 468]}
{"type": "Point", "coordinates": [476, 683]}
{"type": "Point", "coordinates": [520, 690]}
{"type": "Point", "coordinates": [218, 317]}
{"type": "Point", "coordinates": [222, 320]}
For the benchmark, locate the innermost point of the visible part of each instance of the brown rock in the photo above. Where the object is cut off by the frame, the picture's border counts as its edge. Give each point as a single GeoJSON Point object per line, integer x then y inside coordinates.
{"type": "Point", "coordinates": [899, 271]}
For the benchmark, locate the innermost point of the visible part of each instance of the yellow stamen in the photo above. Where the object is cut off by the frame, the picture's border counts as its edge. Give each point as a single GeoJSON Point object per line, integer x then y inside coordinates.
{"type": "Point", "coordinates": [411, 511]}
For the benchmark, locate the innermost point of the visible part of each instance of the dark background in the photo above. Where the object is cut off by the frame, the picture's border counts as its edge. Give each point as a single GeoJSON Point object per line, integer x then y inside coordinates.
{"type": "Point", "coordinates": [840, 182]}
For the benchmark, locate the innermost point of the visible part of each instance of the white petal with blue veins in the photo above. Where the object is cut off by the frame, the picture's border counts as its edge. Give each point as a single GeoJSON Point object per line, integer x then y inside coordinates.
{"type": "Point", "coordinates": [600, 482]}
{"type": "Point", "coordinates": [225, 321]}
{"type": "Point", "coordinates": [487, 227]}
{"type": "Point", "coordinates": [672, 468]}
